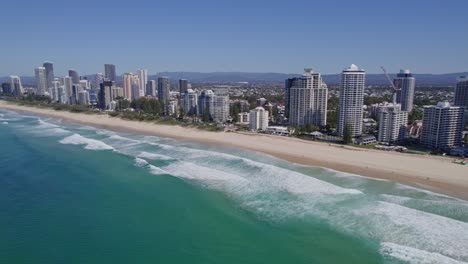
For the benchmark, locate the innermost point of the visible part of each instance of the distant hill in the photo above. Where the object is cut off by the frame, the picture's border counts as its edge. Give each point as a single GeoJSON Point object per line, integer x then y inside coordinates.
{"type": "Point", "coordinates": [448, 79]}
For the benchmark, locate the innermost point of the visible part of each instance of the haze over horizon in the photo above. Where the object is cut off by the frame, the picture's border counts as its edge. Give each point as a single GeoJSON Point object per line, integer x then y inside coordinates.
{"type": "Point", "coordinates": [245, 36]}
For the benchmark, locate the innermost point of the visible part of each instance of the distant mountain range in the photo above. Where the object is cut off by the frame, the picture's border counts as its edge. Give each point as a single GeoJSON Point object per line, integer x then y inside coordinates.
{"type": "Point", "coordinates": [448, 79]}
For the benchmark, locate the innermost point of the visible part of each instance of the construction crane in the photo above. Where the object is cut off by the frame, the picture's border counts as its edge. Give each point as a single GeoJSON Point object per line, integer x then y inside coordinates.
{"type": "Point", "coordinates": [395, 89]}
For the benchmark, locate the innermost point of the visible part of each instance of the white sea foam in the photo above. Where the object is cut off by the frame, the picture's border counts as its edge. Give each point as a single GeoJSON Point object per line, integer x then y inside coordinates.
{"type": "Point", "coordinates": [414, 255]}
{"type": "Point", "coordinates": [400, 225]}
{"type": "Point", "coordinates": [141, 162]}
{"type": "Point", "coordinates": [92, 144]}
{"type": "Point", "coordinates": [193, 171]}
{"type": "Point", "coordinates": [154, 156]}
{"type": "Point", "coordinates": [5, 123]}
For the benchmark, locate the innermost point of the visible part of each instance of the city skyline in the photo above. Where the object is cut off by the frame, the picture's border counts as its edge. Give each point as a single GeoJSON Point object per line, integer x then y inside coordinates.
{"type": "Point", "coordinates": [241, 36]}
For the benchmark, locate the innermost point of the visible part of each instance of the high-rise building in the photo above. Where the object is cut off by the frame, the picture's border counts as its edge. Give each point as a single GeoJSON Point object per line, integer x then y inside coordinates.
{"type": "Point", "coordinates": [41, 81]}
{"type": "Point", "coordinates": [98, 79]}
{"type": "Point", "coordinates": [54, 91]}
{"type": "Point", "coordinates": [83, 97]}
{"type": "Point", "coordinates": [109, 71]}
{"type": "Point", "coordinates": [392, 124]}
{"type": "Point", "coordinates": [74, 75]}
{"type": "Point", "coordinates": [442, 126]}
{"type": "Point", "coordinates": [127, 85]}
{"type": "Point", "coordinates": [461, 92]}
{"type": "Point", "coordinates": [151, 88]}
{"type": "Point", "coordinates": [15, 86]}
{"type": "Point", "coordinates": [6, 88]}
{"type": "Point", "coordinates": [84, 84]}
{"type": "Point", "coordinates": [143, 80]}
{"type": "Point", "coordinates": [206, 103]}
{"type": "Point", "coordinates": [190, 102]}
{"type": "Point", "coordinates": [258, 119]}
{"type": "Point", "coordinates": [183, 86]}
{"type": "Point", "coordinates": [49, 68]}
{"type": "Point", "coordinates": [67, 88]}
{"type": "Point", "coordinates": [307, 100]}
{"type": "Point", "coordinates": [105, 94]}
{"type": "Point", "coordinates": [163, 92]}
{"type": "Point", "coordinates": [406, 84]}
{"type": "Point", "coordinates": [350, 112]}
{"type": "Point", "coordinates": [136, 87]}
{"type": "Point", "coordinates": [221, 108]}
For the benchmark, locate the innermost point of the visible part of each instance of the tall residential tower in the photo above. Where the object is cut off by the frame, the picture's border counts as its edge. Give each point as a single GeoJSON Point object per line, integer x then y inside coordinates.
{"type": "Point", "coordinates": [307, 99]}
{"type": "Point", "coordinates": [405, 96]}
{"type": "Point", "coordinates": [350, 112]}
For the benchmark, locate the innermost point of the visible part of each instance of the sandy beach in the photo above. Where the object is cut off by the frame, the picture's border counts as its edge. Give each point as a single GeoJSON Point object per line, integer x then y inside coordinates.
{"type": "Point", "coordinates": [433, 173]}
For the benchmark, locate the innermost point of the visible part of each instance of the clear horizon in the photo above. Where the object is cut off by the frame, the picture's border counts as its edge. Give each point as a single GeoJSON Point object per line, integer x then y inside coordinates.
{"type": "Point", "coordinates": [245, 36]}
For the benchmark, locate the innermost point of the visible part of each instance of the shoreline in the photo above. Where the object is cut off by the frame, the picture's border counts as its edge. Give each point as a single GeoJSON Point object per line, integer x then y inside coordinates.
{"type": "Point", "coordinates": [433, 173]}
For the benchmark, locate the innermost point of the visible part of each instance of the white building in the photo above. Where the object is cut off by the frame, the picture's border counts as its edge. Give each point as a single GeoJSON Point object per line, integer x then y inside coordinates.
{"type": "Point", "coordinates": [67, 88]}
{"type": "Point", "coordinates": [190, 102]}
{"type": "Point", "coordinates": [442, 126]}
{"type": "Point", "coordinates": [143, 77]}
{"type": "Point", "coordinates": [206, 103]}
{"type": "Point", "coordinates": [41, 80]}
{"type": "Point", "coordinates": [258, 119]}
{"type": "Point", "coordinates": [350, 112]}
{"type": "Point", "coordinates": [221, 108]}
{"type": "Point", "coordinates": [243, 118]}
{"type": "Point", "coordinates": [307, 99]}
{"type": "Point", "coordinates": [15, 86]}
{"type": "Point", "coordinates": [392, 124]}
{"type": "Point", "coordinates": [405, 96]}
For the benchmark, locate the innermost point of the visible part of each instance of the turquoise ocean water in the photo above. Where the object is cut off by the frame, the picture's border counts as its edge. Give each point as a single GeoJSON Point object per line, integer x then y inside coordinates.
{"type": "Point", "coordinates": [71, 193]}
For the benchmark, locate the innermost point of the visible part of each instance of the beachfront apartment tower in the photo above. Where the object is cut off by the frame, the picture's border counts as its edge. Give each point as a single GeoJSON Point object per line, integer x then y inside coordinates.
{"type": "Point", "coordinates": [206, 103]}
{"type": "Point", "coordinates": [350, 112]}
{"type": "Point", "coordinates": [15, 86]}
{"type": "Point", "coordinates": [143, 80]}
{"type": "Point", "coordinates": [49, 68]}
{"type": "Point", "coordinates": [105, 95]}
{"type": "Point", "coordinates": [127, 85]}
{"type": "Point", "coordinates": [151, 88]}
{"type": "Point", "coordinates": [258, 119]}
{"type": "Point", "coordinates": [461, 92]}
{"type": "Point", "coordinates": [442, 126]}
{"type": "Point", "coordinates": [164, 93]}
{"type": "Point", "coordinates": [392, 124]}
{"type": "Point", "coordinates": [183, 86]}
{"type": "Point", "coordinates": [307, 99]}
{"type": "Point", "coordinates": [41, 80]}
{"type": "Point", "coordinates": [405, 95]}
{"type": "Point", "coordinates": [190, 102]}
{"type": "Point", "coordinates": [109, 71]}
{"type": "Point", "coordinates": [67, 88]}
{"type": "Point", "coordinates": [74, 75]}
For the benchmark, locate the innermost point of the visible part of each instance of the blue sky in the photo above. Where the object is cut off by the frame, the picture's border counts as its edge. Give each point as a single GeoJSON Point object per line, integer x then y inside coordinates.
{"type": "Point", "coordinates": [253, 36]}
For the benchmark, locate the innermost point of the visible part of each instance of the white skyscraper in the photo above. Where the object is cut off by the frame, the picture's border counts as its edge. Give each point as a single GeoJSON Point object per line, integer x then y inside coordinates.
{"type": "Point", "coordinates": [307, 100]}
{"type": "Point", "coordinates": [143, 76]}
{"type": "Point", "coordinates": [350, 112]}
{"type": "Point", "coordinates": [15, 86]}
{"type": "Point", "coordinates": [67, 88]}
{"type": "Point", "coordinates": [41, 80]}
{"type": "Point", "coordinates": [442, 126]}
{"type": "Point", "coordinates": [190, 102]}
{"type": "Point", "coordinates": [405, 96]}
{"type": "Point", "coordinates": [392, 124]}
{"type": "Point", "coordinates": [258, 119]}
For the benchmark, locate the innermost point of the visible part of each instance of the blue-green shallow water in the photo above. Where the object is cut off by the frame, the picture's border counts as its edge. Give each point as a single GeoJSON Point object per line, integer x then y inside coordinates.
{"type": "Point", "coordinates": [76, 194]}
